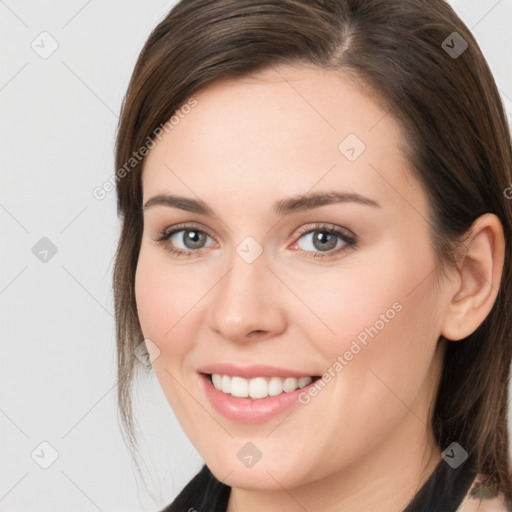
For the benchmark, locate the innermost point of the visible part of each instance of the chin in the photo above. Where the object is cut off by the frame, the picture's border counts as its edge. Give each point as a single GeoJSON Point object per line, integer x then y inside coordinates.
{"type": "Point", "coordinates": [267, 475]}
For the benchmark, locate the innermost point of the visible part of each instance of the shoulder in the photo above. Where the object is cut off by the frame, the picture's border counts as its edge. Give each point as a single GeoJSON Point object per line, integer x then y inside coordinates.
{"type": "Point", "coordinates": [481, 498]}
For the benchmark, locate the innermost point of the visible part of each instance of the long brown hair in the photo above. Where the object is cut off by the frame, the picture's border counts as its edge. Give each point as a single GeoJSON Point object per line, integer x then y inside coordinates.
{"type": "Point", "coordinates": [438, 86]}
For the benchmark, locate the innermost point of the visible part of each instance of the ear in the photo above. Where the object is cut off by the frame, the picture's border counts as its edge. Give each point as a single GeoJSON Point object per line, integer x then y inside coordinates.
{"type": "Point", "coordinates": [478, 278]}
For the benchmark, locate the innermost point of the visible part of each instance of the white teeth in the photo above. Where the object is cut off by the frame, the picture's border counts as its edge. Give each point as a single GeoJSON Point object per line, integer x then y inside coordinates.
{"type": "Point", "coordinates": [226, 384]}
{"type": "Point", "coordinates": [239, 387]}
{"type": "Point", "coordinates": [275, 386]}
{"type": "Point", "coordinates": [290, 384]}
{"type": "Point", "coordinates": [304, 381]}
{"type": "Point", "coordinates": [217, 380]}
{"type": "Point", "coordinates": [258, 387]}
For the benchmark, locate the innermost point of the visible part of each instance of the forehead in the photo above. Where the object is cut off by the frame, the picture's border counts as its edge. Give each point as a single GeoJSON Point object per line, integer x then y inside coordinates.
{"type": "Point", "coordinates": [287, 127]}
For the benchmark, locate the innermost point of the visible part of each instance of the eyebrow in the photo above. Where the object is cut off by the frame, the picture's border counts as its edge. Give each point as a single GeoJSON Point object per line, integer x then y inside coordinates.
{"type": "Point", "coordinates": [286, 206]}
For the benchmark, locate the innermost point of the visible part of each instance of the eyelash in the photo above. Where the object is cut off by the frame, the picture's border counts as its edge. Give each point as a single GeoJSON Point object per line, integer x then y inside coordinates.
{"type": "Point", "coordinates": [350, 241]}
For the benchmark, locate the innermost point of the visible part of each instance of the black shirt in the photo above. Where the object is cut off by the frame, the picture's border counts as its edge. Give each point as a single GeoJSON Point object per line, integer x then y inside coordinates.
{"type": "Point", "coordinates": [444, 491]}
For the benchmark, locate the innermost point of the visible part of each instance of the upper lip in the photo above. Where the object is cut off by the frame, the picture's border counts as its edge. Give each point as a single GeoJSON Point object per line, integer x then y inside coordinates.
{"type": "Point", "coordinates": [249, 372]}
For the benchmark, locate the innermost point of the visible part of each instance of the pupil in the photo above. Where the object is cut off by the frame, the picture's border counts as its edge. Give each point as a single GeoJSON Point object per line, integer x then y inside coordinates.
{"type": "Point", "coordinates": [193, 239]}
{"type": "Point", "coordinates": [326, 241]}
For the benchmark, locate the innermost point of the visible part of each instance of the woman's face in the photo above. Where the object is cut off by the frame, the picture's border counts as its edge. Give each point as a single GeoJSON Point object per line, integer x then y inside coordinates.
{"type": "Point", "coordinates": [263, 280]}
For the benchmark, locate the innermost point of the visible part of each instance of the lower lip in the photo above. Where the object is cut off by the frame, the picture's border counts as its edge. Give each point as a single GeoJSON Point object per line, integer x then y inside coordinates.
{"type": "Point", "coordinates": [249, 410]}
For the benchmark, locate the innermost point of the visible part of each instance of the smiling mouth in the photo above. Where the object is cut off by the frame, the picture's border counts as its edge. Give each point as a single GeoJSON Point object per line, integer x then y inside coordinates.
{"type": "Point", "coordinates": [258, 387]}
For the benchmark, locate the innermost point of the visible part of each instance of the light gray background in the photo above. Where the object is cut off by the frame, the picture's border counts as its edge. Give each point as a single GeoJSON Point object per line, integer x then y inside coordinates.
{"type": "Point", "coordinates": [58, 120]}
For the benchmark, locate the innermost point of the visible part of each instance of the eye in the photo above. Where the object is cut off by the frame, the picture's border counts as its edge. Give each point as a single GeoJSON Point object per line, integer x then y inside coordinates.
{"type": "Point", "coordinates": [184, 240]}
{"type": "Point", "coordinates": [325, 241]}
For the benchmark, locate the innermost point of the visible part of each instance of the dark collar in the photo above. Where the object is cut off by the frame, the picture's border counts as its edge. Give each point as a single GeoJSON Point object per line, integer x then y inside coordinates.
{"type": "Point", "coordinates": [445, 489]}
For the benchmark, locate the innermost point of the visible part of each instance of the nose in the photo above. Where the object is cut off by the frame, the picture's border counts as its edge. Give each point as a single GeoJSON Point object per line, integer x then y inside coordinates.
{"type": "Point", "coordinates": [247, 304]}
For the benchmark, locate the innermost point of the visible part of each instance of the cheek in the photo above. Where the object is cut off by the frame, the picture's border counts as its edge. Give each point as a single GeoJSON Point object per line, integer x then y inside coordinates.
{"type": "Point", "coordinates": [381, 321]}
{"type": "Point", "coordinates": [165, 304]}
{"type": "Point", "coordinates": [163, 295]}
{"type": "Point", "coordinates": [379, 361]}
{"type": "Point", "coordinates": [152, 296]}
{"type": "Point", "coordinates": [170, 305]}
{"type": "Point", "coordinates": [162, 299]}
{"type": "Point", "coordinates": [390, 287]}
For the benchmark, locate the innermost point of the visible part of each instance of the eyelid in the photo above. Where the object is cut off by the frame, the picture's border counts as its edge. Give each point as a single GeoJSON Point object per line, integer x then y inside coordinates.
{"type": "Point", "coordinates": [326, 226]}
{"type": "Point", "coordinates": [301, 231]}
{"type": "Point", "coordinates": [183, 227]}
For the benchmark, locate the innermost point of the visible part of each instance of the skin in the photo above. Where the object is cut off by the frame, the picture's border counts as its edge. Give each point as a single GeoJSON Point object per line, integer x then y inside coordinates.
{"type": "Point", "coordinates": [364, 442]}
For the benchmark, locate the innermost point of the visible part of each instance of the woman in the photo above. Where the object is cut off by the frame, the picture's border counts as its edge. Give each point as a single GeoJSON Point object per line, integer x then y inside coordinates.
{"type": "Point", "coordinates": [315, 254]}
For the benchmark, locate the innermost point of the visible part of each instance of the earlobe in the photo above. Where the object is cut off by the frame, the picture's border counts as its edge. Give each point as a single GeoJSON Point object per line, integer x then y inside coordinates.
{"type": "Point", "coordinates": [479, 275]}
